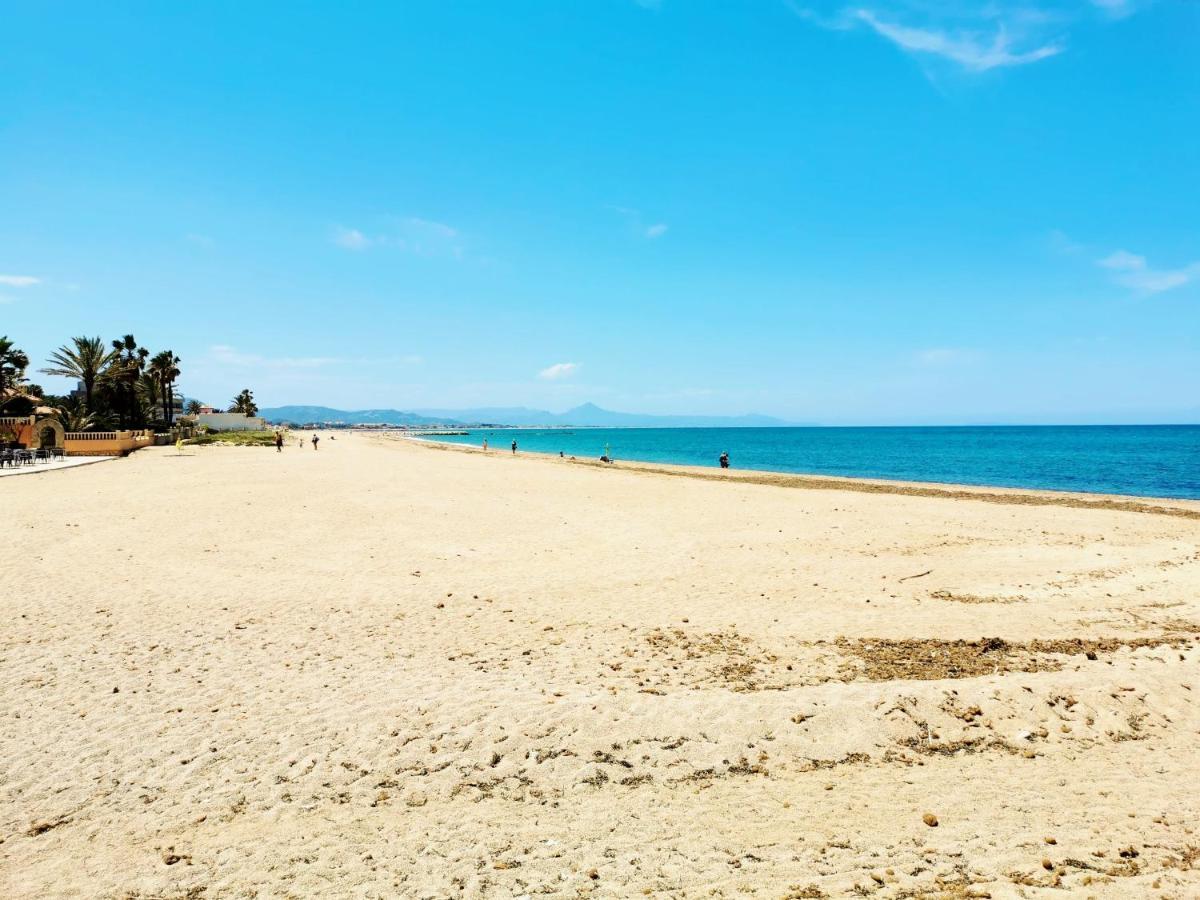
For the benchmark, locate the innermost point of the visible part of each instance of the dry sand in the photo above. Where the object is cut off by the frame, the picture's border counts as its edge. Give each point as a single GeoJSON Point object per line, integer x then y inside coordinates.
{"type": "Point", "coordinates": [386, 670]}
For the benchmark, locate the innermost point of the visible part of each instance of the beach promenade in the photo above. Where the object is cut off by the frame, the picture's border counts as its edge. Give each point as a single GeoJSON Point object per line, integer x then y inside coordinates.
{"type": "Point", "coordinates": [384, 669]}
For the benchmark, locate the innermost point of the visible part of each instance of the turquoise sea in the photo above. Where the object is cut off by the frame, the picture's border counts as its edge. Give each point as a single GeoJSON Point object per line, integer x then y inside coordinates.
{"type": "Point", "coordinates": [1146, 460]}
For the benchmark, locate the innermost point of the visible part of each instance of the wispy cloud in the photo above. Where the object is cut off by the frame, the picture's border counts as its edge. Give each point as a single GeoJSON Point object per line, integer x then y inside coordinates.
{"type": "Point", "coordinates": [351, 239]}
{"type": "Point", "coordinates": [636, 221]}
{"type": "Point", "coordinates": [1116, 9]}
{"type": "Point", "coordinates": [230, 356]}
{"type": "Point", "coordinates": [946, 356]}
{"type": "Point", "coordinates": [1062, 243]}
{"type": "Point", "coordinates": [412, 234]}
{"type": "Point", "coordinates": [19, 281]}
{"type": "Point", "coordinates": [559, 371]}
{"type": "Point", "coordinates": [973, 51]}
{"type": "Point", "coordinates": [974, 37]}
{"type": "Point", "coordinates": [1133, 271]}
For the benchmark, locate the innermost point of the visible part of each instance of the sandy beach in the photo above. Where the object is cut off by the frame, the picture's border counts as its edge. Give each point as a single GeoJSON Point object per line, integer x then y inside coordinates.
{"type": "Point", "coordinates": [384, 669]}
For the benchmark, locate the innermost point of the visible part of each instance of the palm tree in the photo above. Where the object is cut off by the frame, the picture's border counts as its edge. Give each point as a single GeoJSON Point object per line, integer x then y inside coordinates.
{"type": "Point", "coordinates": [85, 362]}
{"type": "Point", "coordinates": [12, 365]}
{"type": "Point", "coordinates": [164, 368]}
{"type": "Point", "coordinates": [124, 368]}
{"type": "Point", "coordinates": [74, 416]}
{"type": "Point", "coordinates": [148, 394]}
{"type": "Point", "coordinates": [193, 407]}
{"type": "Point", "coordinates": [244, 403]}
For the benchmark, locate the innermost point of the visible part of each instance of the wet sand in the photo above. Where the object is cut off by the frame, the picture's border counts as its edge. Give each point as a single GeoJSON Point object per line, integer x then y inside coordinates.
{"type": "Point", "coordinates": [387, 669]}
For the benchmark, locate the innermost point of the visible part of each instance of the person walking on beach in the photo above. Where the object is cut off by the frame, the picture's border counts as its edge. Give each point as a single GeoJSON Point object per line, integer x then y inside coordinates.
{"type": "Point", "coordinates": [514, 447]}
{"type": "Point", "coordinates": [279, 442]}
{"type": "Point", "coordinates": [485, 445]}
{"type": "Point", "coordinates": [314, 440]}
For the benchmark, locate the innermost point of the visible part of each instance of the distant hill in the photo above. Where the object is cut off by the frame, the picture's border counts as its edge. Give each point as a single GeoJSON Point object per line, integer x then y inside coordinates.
{"type": "Point", "coordinates": [303, 414]}
{"type": "Point", "coordinates": [586, 415]}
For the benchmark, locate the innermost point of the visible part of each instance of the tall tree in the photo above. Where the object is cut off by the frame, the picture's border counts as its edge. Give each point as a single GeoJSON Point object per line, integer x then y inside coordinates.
{"type": "Point", "coordinates": [244, 403]}
{"type": "Point", "coordinates": [149, 393]}
{"type": "Point", "coordinates": [84, 362]}
{"type": "Point", "coordinates": [12, 365]}
{"type": "Point", "coordinates": [193, 407]}
{"type": "Point", "coordinates": [164, 367]}
{"type": "Point", "coordinates": [124, 368]}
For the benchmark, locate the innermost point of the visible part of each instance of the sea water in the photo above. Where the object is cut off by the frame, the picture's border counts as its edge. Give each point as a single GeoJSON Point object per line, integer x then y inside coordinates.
{"type": "Point", "coordinates": [1146, 460]}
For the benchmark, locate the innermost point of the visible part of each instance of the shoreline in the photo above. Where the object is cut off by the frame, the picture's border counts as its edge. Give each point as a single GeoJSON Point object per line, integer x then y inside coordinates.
{"type": "Point", "coordinates": [1165, 506]}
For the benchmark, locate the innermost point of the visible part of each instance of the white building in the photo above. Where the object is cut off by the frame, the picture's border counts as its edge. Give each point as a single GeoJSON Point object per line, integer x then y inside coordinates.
{"type": "Point", "coordinates": [230, 421]}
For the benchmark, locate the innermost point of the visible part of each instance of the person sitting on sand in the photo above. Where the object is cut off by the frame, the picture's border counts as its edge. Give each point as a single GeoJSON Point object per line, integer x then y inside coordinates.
{"type": "Point", "coordinates": [314, 440]}
{"type": "Point", "coordinates": [724, 460]}
{"type": "Point", "coordinates": [279, 442]}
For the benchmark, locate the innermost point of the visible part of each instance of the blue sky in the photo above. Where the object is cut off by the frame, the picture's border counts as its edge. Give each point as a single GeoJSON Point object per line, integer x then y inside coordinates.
{"type": "Point", "coordinates": [903, 212]}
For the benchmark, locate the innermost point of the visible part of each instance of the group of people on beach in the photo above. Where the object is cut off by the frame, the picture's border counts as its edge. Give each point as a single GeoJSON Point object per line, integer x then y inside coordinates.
{"type": "Point", "coordinates": [316, 439]}
{"type": "Point", "coordinates": [722, 460]}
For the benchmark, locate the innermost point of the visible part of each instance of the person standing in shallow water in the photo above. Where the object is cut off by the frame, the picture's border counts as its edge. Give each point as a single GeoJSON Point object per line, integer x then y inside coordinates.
{"type": "Point", "coordinates": [724, 460]}
{"type": "Point", "coordinates": [514, 447]}
{"type": "Point", "coordinates": [485, 443]}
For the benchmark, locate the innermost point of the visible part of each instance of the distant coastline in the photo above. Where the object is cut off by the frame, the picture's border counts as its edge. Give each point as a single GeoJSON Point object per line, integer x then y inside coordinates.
{"type": "Point", "coordinates": [1156, 461]}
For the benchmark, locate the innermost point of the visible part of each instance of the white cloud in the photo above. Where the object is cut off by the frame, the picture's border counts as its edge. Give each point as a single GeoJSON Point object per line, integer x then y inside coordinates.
{"type": "Point", "coordinates": [1117, 9]}
{"type": "Point", "coordinates": [1061, 242]}
{"type": "Point", "coordinates": [1123, 260]}
{"type": "Point", "coordinates": [438, 229]}
{"type": "Point", "coordinates": [973, 36]}
{"type": "Point", "coordinates": [968, 49]}
{"type": "Point", "coordinates": [351, 239]}
{"type": "Point", "coordinates": [421, 237]}
{"type": "Point", "coordinates": [230, 356]}
{"type": "Point", "coordinates": [638, 225]}
{"type": "Point", "coordinates": [946, 356]}
{"type": "Point", "coordinates": [19, 281]}
{"type": "Point", "coordinates": [1133, 271]}
{"type": "Point", "coordinates": [559, 371]}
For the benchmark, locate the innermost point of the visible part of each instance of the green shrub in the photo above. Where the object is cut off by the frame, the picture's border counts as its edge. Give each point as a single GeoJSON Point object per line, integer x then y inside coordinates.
{"type": "Point", "coordinates": [234, 439]}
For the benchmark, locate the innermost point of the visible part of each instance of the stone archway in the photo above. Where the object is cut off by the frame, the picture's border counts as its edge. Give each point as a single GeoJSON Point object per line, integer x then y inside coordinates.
{"type": "Point", "coordinates": [48, 433]}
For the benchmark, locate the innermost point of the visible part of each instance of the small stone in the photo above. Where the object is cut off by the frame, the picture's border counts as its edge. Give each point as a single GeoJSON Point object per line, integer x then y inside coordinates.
{"type": "Point", "coordinates": [1047, 865]}
{"type": "Point", "coordinates": [1050, 840]}
{"type": "Point", "coordinates": [930, 819]}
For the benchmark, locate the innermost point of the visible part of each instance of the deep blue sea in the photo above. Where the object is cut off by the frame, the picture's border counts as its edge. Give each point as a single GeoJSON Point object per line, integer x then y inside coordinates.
{"type": "Point", "coordinates": [1147, 460]}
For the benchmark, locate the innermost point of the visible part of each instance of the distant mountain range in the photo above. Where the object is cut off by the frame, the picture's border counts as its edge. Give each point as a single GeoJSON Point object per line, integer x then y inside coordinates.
{"type": "Point", "coordinates": [300, 415]}
{"type": "Point", "coordinates": [586, 415]}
